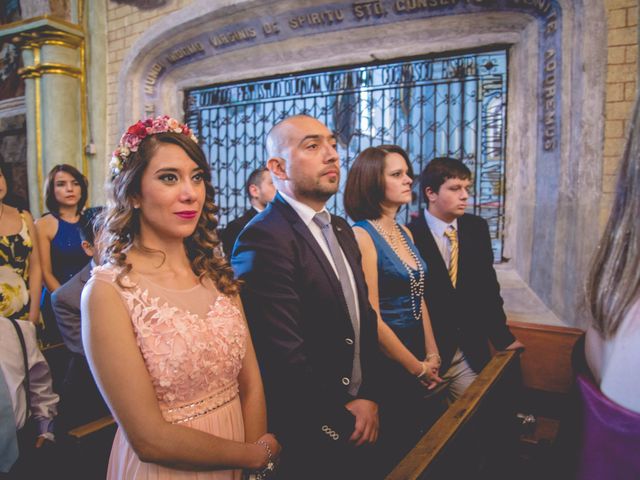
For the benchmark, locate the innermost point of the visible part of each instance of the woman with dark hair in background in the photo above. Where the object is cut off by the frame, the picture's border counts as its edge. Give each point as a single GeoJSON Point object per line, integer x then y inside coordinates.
{"type": "Point", "coordinates": [20, 273]}
{"type": "Point", "coordinates": [612, 344]}
{"type": "Point", "coordinates": [378, 184]}
{"type": "Point", "coordinates": [162, 323]}
{"type": "Point", "coordinates": [61, 253]}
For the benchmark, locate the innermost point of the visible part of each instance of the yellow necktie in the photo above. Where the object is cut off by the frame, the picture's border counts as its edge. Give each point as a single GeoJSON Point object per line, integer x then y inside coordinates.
{"type": "Point", "coordinates": [452, 235]}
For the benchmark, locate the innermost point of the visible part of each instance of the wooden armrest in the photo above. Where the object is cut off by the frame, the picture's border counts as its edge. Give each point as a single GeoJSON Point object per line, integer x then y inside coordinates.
{"type": "Point", "coordinates": [88, 428]}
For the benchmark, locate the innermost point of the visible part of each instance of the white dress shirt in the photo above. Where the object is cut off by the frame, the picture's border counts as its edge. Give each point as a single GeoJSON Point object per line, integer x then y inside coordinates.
{"type": "Point", "coordinates": [437, 228]}
{"type": "Point", "coordinates": [43, 401]}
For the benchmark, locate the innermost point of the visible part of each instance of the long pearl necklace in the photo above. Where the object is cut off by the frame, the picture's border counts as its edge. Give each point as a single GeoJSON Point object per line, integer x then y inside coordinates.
{"type": "Point", "coordinates": [416, 282]}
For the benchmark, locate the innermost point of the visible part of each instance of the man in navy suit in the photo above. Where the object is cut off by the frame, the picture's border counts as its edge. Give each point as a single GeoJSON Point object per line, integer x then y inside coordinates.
{"type": "Point", "coordinates": [461, 291]}
{"type": "Point", "coordinates": [306, 303]}
{"type": "Point", "coordinates": [81, 399]}
{"type": "Point", "coordinates": [260, 191]}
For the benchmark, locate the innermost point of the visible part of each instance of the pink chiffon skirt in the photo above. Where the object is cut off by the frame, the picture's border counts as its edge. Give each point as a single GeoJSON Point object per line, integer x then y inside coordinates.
{"type": "Point", "coordinates": [224, 422]}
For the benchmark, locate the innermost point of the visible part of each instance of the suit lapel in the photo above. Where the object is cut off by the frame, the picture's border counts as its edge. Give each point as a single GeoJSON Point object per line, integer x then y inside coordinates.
{"type": "Point", "coordinates": [303, 231]}
{"type": "Point", "coordinates": [463, 232]}
{"type": "Point", "coordinates": [351, 256]}
{"type": "Point", "coordinates": [427, 244]}
{"type": "Point", "coordinates": [85, 273]}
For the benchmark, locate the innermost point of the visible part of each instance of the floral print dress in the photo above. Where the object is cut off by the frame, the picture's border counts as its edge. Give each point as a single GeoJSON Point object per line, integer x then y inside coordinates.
{"type": "Point", "coordinates": [192, 342]}
{"type": "Point", "coordinates": [15, 251]}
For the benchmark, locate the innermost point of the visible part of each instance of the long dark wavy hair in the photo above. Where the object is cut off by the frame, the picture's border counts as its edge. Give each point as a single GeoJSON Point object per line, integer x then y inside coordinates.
{"type": "Point", "coordinates": [121, 223]}
{"type": "Point", "coordinates": [614, 281]}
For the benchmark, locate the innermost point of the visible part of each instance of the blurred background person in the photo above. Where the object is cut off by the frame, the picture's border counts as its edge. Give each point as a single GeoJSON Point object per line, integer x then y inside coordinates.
{"type": "Point", "coordinates": [260, 191]}
{"type": "Point", "coordinates": [20, 273]}
{"type": "Point", "coordinates": [27, 403]}
{"type": "Point", "coordinates": [61, 254]}
{"type": "Point", "coordinates": [612, 344]}
{"type": "Point", "coordinates": [378, 184]}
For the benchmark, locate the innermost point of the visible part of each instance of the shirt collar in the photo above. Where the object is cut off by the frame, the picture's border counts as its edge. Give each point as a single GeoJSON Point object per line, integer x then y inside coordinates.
{"type": "Point", "coordinates": [437, 226]}
{"type": "Point", "coordinates": [305, 212]}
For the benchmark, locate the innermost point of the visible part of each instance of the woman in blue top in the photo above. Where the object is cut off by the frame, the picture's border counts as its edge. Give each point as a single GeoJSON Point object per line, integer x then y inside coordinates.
{"type": "Point", "coordinates": [59, 236]}
{"type": "Point", "coordinates": [378, 184]}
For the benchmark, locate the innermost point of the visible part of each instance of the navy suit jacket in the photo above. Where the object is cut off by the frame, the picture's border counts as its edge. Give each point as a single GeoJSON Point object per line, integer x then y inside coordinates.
{"type": "Point", "coordinates": [470, 314]}
{"type": "Point", "coordinates": [301, 327]}
{"type": "Point", "coordinates": [66, 306]}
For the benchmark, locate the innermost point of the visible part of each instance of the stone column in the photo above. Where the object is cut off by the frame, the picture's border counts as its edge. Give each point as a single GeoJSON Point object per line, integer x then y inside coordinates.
{"type": "Point", "coordinates": [52, 53]}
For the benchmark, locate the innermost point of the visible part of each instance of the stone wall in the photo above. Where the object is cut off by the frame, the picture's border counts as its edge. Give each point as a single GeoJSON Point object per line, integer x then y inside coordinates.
{"type": "Point", "coordinates": [125, 23]}
{"type": "Point", "coordinates": [622, 76]}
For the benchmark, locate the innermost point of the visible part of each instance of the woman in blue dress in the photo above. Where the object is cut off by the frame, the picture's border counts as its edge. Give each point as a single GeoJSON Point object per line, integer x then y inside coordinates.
{"type": "Point", "coordinates": [59, 236]}
{"type": "Point", "coordinates": [378, 184]}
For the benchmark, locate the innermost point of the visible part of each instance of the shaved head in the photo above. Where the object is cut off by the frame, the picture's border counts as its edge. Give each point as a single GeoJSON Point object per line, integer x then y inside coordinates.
{"type": "Point", "coordinates": [277, 137]}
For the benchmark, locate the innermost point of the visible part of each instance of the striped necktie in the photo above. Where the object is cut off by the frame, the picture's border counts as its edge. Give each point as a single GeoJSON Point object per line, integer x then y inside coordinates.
{"type": "Point", "coordinates": [452, 235]}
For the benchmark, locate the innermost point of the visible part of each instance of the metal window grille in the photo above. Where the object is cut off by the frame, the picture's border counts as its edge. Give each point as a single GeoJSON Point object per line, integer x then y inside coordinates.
{"type": "Point", "coordinates": [437, 106]}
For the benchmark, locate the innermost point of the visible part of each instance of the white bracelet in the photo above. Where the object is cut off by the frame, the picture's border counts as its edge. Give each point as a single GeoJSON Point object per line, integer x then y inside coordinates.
{"type": "Point", "coordinates": [423, 373]}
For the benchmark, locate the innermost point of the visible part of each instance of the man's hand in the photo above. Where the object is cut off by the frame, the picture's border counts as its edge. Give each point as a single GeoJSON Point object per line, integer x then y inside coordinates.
{"type": "Point", "coordinates": [41, 440]}
{"type": "Point", "coordinates": [367, 423]}
{"type": "Point", "coordinates": [516, 345]}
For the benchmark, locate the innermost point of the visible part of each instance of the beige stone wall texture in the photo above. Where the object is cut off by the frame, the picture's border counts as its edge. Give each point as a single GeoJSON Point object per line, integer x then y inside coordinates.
{"type": "Point", "coordinates": [125, 23]}
{"type": "Point", "coordinates": [622, 76]}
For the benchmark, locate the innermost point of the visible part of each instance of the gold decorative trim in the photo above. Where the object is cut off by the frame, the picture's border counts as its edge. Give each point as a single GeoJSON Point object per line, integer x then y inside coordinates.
{"type": "Point", "coordinates": [38, 102]}
{"type": "Point", "coordinates": [83, 110]}
{"type": "Point", "coordinates": [34, 20]}
{"type": "Point", "coordinates": [40, 69]}
{"type": "Point", "coordinates": [46, 36]}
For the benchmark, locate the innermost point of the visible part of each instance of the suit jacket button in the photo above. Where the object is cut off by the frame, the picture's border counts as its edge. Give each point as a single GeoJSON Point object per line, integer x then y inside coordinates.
{"type": "Point", "coordinates": [348, 341]}
{"type": "Point", "coordinates": [345, 381]}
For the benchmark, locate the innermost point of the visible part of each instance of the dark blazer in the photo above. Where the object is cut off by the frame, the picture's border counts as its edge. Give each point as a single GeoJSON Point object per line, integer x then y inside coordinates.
{"type": "Point", "coordinates": [303, 335]}
{"type": "Point", "coordinates": [229, 235]}
{"type": "Point", "coordinates": [81, 399]}
{"type": "Point", "coordinates": [470, 314]}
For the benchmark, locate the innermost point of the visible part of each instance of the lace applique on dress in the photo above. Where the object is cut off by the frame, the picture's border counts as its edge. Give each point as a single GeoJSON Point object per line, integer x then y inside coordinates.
{"type": "Point", "coordinates": [193, 359]}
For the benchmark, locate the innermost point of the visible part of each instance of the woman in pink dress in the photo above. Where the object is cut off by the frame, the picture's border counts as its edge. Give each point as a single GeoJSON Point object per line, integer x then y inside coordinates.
{"type": "Point", "coordinates": [162, 323]}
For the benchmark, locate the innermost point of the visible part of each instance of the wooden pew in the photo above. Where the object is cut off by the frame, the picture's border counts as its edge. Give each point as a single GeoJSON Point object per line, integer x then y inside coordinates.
{"type": "Point", "coordinates": [444, 449]}
{"type": "Point", "coordinates": [81, 432]}
{"type": "Point", "coordinates": [547, 378]}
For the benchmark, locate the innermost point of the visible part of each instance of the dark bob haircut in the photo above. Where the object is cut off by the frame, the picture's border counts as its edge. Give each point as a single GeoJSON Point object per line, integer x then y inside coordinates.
{"type": "Point", "coordinates": [364, 191]}
{"type": "Point", "coordinates": [438, 171]}
{"type": "Point", "coordinates": [49, 191]}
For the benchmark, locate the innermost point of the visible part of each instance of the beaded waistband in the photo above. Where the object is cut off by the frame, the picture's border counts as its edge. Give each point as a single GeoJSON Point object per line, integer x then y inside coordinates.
{"type": "Point", "coordinates": [191, 411]}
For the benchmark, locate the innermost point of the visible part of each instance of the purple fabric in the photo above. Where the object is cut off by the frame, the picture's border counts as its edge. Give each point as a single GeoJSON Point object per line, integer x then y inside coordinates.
{"type": "Point", "coordinates": [610, 438]}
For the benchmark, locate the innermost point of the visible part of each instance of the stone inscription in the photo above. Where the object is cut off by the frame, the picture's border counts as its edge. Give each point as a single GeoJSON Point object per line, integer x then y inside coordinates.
{"type": "Point", "coordinates": [362, 13]}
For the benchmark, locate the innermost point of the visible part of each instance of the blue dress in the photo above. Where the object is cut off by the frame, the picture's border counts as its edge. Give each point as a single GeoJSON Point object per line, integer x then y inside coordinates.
{"type": "Point", "coordinates": [67, 259]}
{"type": "Point", "coordinates": [404, 414]}
{"type": "Point", "coordinates": [396, 304]}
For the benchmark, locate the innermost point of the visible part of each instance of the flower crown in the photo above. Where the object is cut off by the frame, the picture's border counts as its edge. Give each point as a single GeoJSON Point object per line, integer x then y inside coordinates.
{"type": "Point", "coordinates": [131, 139]}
